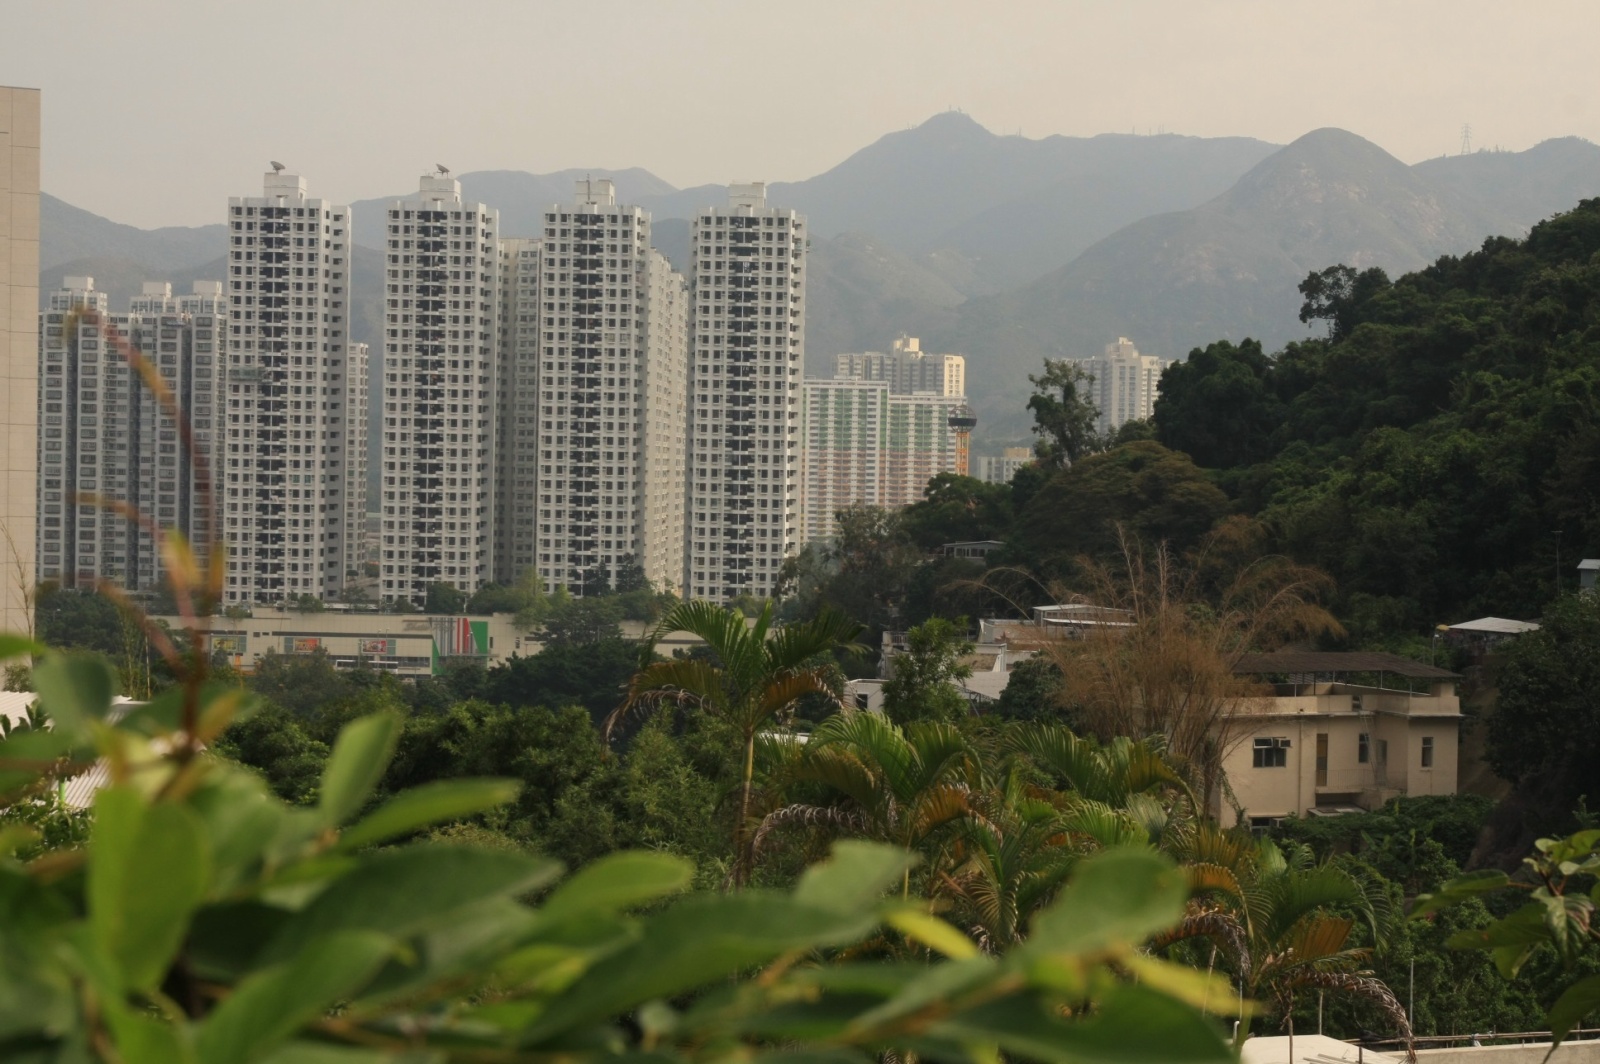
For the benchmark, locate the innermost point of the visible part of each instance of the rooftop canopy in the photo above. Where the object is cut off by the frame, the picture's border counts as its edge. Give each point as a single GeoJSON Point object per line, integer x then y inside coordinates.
{"type": "Point", "coordinates": [1317, 661]}
{"type": "Point", "coordinates": [1495, 626]}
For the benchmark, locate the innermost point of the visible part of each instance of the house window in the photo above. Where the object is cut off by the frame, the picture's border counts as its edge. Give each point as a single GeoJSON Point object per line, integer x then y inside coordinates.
{"type": "Point", "coordinates": [1271, 753]}
{"type": "Point", "coordinates": [1260, 825]}
{"type": "Point", "coordinates": [1427, 751]}
{"type": "Point", "coordinates": [1322, 759]}
{"type": "Point", "coordinates": [1363, 748]}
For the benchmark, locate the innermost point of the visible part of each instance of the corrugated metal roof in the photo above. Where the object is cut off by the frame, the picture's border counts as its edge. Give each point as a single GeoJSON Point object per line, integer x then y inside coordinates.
{"type": "Point", "coordinates": [1289, 661]}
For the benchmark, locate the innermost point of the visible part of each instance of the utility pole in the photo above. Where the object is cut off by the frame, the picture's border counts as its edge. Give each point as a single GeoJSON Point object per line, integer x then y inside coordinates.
{"type": "Point", "coordinates": [1466, 140]}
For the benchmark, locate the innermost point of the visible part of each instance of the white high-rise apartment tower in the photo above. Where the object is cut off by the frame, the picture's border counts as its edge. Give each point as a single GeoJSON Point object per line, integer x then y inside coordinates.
{"type": "Point", "coordinates": [442, 293]}
{"type": "Point", "coordinates": [746, 363]}
{"type": "Point", "coordinates": [1125, 383]}
{"type": "Point", "coordinates": [283, 475]}
{"type": "Point", "coordinates": [609, 398]}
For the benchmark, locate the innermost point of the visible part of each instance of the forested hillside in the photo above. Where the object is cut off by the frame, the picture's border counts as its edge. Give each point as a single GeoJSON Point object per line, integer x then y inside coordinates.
{"type": "Point", "coordinates": [1435, 448]}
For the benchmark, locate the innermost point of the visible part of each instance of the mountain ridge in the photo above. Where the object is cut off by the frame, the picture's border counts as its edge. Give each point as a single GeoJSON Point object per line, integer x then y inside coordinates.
{"type": "Point", "coordinates": [1010, 249]}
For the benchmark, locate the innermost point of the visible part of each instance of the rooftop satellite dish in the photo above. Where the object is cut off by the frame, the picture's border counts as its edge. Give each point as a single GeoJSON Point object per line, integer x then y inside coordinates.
{"type": "Point", "coordinates": [277, 167]}
{"type": "Point", "coordinates": [443, 169]}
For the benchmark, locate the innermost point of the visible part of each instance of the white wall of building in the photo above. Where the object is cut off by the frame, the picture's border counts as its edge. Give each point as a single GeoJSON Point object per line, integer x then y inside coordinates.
{"type": "Point", "coordinates": [282, 477]}
{"type": "Point", "coordinates": [746, 363]}
{"type": "Point", "coordinates": [441, 340]}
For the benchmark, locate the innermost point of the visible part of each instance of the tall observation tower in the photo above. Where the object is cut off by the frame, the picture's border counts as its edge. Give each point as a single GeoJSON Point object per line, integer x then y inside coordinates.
{"type": "Point", "coordinates": [962, 422]}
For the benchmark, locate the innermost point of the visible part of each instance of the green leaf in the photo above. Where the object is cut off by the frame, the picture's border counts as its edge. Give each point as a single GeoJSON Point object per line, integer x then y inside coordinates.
{"type": "Point", "coordinates": [1131, 1025]}
{"type": "Point", "coordinates": [272, 1005]}
{"type": "Point", "coordinates": [148, 869]}
{"type": "Point", "coordinates": [1115, 898]}
{"type": "Point", "coordinates": [1459, 890]}
{"type": "Point", "coordinates": [938, 984]}
{"type": "Point", "coordinates": [431, 803]}
{"type": "Point", "coordinates": [854, 876]}
{"type": "Point", "coordinates": [74, 689]}
{"type": "Point", "coordinates": [241, 819]}
{"type": "Point", "coordinates": [327, 1053]}
{"type": "Point", "coordinates": [930, 931]}
{"type": "Point", "coordinates": [14, 645]}
{"type": "Point", "coordinates": [405, 891]}
{"type": "Point", "coordinates": [701, 939]}
{"type": "Point", "coordinates": [1510, 940]}
{"type": "Point", "coordinates": [359, 757]}
{"type": "Point", "coordinates": [617, 882]}
{"type": "Point", "coordinates": [145, 1038]}
{"type": "Point", "coordinates": [1578, 1001]}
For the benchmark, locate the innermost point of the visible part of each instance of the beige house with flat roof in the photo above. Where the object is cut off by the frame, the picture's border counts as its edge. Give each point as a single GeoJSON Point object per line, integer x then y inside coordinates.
{"type": "Point", "coordinates": [1340, 732]}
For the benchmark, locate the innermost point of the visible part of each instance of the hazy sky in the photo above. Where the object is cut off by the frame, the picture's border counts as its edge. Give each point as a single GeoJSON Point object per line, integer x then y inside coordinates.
{"type": "Point", "coordinates": [156, 111]}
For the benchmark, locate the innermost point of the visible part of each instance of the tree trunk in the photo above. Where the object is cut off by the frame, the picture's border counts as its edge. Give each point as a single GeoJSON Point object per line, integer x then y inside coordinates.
{"type": "Point", "coordinates": [741, 858]}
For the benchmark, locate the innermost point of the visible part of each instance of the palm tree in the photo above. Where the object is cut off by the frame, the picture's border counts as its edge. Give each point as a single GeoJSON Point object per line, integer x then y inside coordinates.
{"type": "Point", "coordinates": [1283, 919]}
{"type": "Point", "coordinates": [1011, 862]}
{"type": "Point", "coordinates": [1114, 773]}
{"type": "Point", "coordinates": [758, 673]}
{"type": "Point", "coordinates": [882, 782]}
{"type": "Point", "coordinates": [1009, 865]}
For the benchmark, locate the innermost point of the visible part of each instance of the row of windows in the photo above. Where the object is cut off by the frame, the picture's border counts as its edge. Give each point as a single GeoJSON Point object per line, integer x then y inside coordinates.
{"type": "Point", "coordinates": [1273, 752]}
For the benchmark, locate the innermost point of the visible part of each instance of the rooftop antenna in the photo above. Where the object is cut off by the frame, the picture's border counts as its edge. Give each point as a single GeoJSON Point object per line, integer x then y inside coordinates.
{"type": "Point", "coordinates": [277, 167]}
{"type": "Point", "coordinates": [1466, 140]}
{"type": "Point", "coordinates": [442, 168]}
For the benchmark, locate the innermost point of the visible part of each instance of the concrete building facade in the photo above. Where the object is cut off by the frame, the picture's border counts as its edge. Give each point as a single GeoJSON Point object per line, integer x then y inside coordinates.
{"type": "Point", "coordinates": [1125, 383]}
{"type": "Point", "coordinates": [19, 338]}
{"type": "Point", "coordinates": [517, 426]}
{"type": "Point", "coordinates": [918, 445]}
{"type": "Point", "coordinates": [906, 368]}
{"type": "Point", "coordinates": [842, 426]}
{"type": "Point", "coordinates": [864, 445]}
{"type": "Point", "coordinates": [746, 363]}
{"type": "Point", "coordinates": [442, 293]}
{"type": "Point", "coordinates": [357, 438]}
{"type": "Point", "coordinates": [282, 477]}
{"type": "Point", "coordinates": [664, 423]}
{"type": "Point", "coordinates": [608, 398]}
{"type": "Point", "coordinates": [105, 434]}
{"type": "Point", "coordinates": [1333, 733]}
{"type": "Point", "coordinates": [999, 469]}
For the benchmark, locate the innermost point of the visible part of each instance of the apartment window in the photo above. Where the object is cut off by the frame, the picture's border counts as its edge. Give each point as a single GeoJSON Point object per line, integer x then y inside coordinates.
{"type": "Point", "coordinates": [1261, 825]}
{"type": "Point", "coordinates": [1363, 748]}
{"type": "Point", "coordinates": [1427, 751]}
{"type": "Point", "coordinates": [1270, 753]}
{"type": "Point", "coordinates": [1322, 759]}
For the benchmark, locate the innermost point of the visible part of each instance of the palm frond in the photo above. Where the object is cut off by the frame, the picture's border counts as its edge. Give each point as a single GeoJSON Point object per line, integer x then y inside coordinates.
{"type": "Point", "coordinates": [1219, 925]}
{"type": "Point", "coordinates": [1361, 984]}
{"type": "Point", "coordinates": [1319, 936]}
{"type": "Point", "coordinates": [793, 645]}
{"type": "Point", "coordinates": [689, 680]}
{"type": "Point", "coordinates": [1279, 902]}
{"type": "Point", "coordinates": [833, 818]}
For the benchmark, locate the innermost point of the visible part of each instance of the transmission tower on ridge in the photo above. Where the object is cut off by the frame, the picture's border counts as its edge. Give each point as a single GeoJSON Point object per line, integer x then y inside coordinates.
{"type": "Point", "coordinates": [1466, 140]}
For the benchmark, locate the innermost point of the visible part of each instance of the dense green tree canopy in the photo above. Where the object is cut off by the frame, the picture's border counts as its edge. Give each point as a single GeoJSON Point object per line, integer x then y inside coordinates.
{"type": "Point", "coordinates": [1428, 450]}
{"type": "Point", "coordinates": [1142, 488]}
